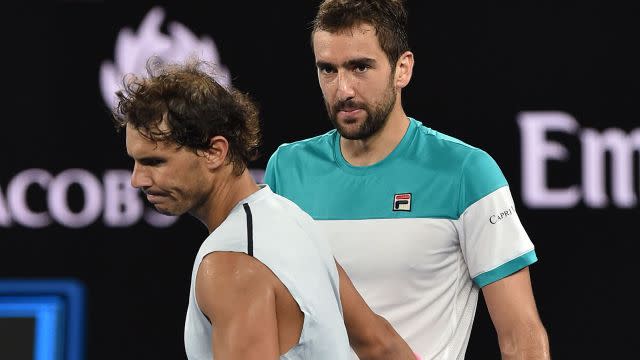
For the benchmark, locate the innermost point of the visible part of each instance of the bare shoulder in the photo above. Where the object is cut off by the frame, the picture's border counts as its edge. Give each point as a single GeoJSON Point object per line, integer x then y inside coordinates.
{"type": "Point", "coordinates": [226, 280]}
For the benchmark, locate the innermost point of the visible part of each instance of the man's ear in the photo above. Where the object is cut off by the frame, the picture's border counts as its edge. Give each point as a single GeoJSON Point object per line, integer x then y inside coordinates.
{"type": "Point", "coordinates": [216, 154]}
{"type": "Point", "coordinates": [404, 69]}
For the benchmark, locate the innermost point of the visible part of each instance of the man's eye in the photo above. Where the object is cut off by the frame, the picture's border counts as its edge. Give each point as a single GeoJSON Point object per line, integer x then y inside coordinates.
{"type": "Point", "coordinates": [361, 68]}
{"type": "Point", "coordinates": [326, 70]}
{"type": "Point", "coordinates": [152, 162]}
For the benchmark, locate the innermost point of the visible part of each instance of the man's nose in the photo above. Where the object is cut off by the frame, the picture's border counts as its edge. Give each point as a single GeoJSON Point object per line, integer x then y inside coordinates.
{"type": "Point", "coordinates": [140, 179]}
{"type": "Point", "coordinates": [345, 89]}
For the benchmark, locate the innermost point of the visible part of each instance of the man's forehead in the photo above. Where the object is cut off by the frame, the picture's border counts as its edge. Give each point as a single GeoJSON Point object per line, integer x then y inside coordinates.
{"type": "Point", "coordinates": [134, 139]}
{"type": "Point", "coordinates": [358, 39]}
{"type": "Point", "coordinates": [139, 141]}
{"type": "Point", "coordinates": [134, 133]}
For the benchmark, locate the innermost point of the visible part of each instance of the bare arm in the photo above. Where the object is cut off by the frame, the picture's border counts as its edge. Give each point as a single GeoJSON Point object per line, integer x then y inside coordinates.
{"type": "Point", "coordinates": [513, 311]}
{"type": "Point", "coordinates": [370, 335]}
{"type": "Point", "coordinates": [234, 291]}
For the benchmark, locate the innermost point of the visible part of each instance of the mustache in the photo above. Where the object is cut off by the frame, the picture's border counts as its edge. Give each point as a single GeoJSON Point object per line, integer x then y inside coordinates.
{"type": "Point", "coordinates": [154, 192]}
{"type": "Point", "coordinates": [347, 105]}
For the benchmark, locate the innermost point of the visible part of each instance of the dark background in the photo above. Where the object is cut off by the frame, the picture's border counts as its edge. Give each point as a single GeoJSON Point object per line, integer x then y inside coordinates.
{"type": "Point", "coordinates": [478, 64]}
{"type": "Point", "coordinates": [17, 338]}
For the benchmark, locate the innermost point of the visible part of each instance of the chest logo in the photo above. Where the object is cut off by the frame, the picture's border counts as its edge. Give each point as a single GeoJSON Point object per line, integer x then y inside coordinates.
{"type": "Point", "coordinates": [402, 202]}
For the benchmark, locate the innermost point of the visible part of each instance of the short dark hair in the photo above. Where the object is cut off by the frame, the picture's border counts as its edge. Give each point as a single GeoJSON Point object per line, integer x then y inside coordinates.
{"type": "Point", "coordinates": [195, 106]}
{"type": "Point", "coordinates": [388, 17]}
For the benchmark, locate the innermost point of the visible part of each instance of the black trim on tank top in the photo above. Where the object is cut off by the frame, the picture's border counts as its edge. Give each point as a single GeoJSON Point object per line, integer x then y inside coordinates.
{"type": "Point", "coordinates": [247, 210]}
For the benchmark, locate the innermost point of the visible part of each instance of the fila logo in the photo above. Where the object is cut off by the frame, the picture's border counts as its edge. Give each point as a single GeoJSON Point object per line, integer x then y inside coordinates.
{"type": "Point", "coordinates": [402, 202]}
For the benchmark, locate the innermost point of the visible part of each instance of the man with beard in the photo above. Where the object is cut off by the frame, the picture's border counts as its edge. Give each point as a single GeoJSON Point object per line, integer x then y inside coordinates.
{"type": "Point", "coordinates": [264, 283]}
{"type": "Point", "coordinates": [419, 220]}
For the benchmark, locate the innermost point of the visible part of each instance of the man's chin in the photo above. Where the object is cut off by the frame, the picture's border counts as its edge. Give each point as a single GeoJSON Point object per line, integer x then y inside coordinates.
{"type": "Point", "coordinates": [347, 128]}
{"type": "Point", "coordinates": [168, 212]}
{"type": "Point", "coordinates": [351, 133]}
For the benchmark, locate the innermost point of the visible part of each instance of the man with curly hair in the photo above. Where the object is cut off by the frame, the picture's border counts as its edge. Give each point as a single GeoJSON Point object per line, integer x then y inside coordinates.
{"type": "Point", "coordinates": [264, 283]}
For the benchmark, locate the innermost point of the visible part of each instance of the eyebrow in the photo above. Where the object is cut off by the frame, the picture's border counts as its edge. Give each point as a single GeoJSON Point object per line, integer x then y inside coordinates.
{"type": "Point", "coordinates": [146, 159]}
{"type": "Point", "coordinates": [349, 63]}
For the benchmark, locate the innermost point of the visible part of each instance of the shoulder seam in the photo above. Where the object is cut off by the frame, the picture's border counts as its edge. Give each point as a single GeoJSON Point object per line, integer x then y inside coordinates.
{"type": "Point", "coordinates": [306, 141]}
{"type": "Point", "coordinates": [449, 139]}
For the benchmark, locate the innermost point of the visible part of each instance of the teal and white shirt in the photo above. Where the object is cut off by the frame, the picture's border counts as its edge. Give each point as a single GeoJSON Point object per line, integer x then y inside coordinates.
{"type": "Point", "coordinates": [419, 232]}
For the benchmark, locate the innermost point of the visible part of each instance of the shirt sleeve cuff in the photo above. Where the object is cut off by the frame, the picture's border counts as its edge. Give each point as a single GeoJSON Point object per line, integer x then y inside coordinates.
{"type": "Point", "coordinates": [506, 269]}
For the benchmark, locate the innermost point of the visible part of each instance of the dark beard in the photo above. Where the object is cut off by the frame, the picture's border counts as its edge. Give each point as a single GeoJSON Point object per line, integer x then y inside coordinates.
{"type": "Point", "coordinates": [375, 120]}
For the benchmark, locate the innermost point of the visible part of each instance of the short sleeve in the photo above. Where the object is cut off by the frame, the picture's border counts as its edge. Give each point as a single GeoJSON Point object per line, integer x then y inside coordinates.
{"type": "Point", "coordinates": [492, 238]}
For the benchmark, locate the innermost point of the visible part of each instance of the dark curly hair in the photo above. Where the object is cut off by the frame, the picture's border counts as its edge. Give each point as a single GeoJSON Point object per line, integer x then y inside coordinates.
{"type": "Point", "coordinates": [388, 17]}
{"type": "Point", "coordinates": [195, 106]}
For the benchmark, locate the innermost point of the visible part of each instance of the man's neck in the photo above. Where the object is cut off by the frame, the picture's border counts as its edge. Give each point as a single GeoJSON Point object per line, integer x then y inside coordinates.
{"type": "Point", "coordinates": [377, 147]}
{"type": "Point", "coordinates": [224, 197]}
